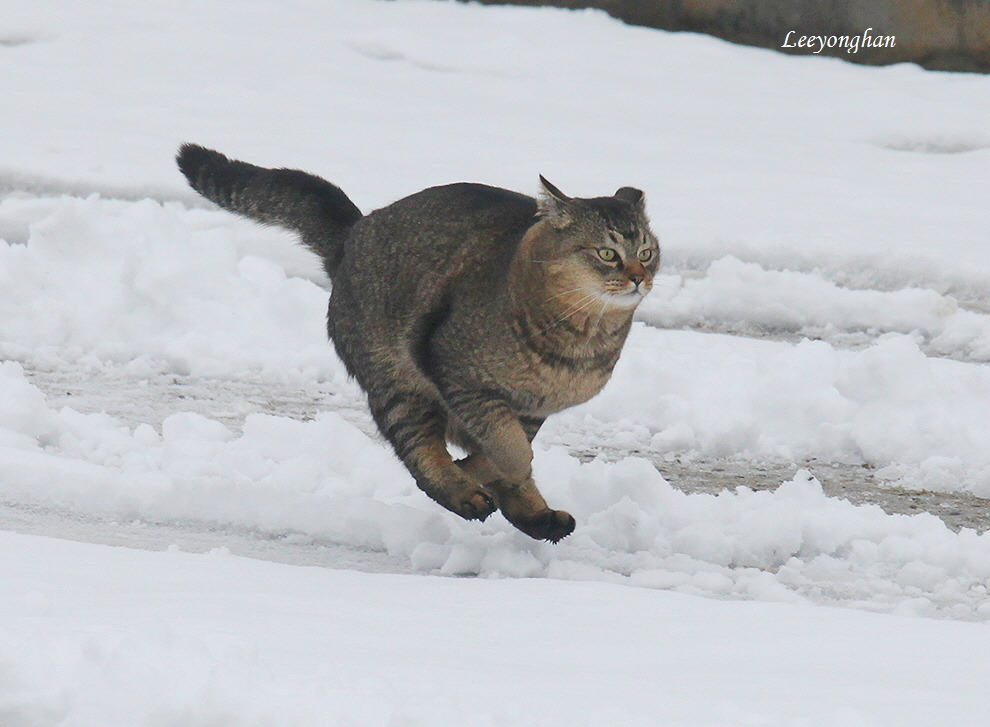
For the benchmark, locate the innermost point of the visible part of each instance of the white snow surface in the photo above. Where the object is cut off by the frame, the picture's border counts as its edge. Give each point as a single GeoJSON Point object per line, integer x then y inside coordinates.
{"type": "Point", "coordinates": [94, 635]}
{"type": "Point", "coordinates": [825, 296]}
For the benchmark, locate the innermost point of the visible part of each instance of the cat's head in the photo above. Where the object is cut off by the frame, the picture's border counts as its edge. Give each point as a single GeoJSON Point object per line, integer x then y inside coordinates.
{"type": "Point", "coordinates": [602, 245]}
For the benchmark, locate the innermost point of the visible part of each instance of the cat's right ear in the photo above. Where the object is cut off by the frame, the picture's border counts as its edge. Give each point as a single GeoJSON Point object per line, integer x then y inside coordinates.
{"type": "Point", "coordinates": [553, 205]}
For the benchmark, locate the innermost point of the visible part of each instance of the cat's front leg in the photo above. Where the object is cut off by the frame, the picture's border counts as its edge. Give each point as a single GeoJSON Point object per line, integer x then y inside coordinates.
{"type": "Point", "coordinates": [501, 458]}
{"type": "Point", "coordinates": [522, 505]}
{"type": "Point", "coordinates": [414, 423]}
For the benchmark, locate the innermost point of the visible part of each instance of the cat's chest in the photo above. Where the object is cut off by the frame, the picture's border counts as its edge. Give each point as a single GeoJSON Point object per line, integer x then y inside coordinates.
{"type": "Point", "coordinates": [542, 372]}
{"type": "Point", "coordinates": [549, 381]}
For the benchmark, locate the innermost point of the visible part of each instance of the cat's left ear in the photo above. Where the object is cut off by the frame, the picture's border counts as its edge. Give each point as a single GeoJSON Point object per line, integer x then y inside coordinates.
{"type": "Point", "coordinates": [631, 195]}
{"type": "Point", "coordinates": [554, 205]}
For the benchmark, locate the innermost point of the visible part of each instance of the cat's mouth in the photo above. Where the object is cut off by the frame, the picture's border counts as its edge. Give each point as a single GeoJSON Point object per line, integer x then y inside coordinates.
{"type": "Point", "coordinates": [628, 298]}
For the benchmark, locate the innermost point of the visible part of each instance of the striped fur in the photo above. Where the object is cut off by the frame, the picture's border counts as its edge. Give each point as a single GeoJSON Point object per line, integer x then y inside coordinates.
{"type": "Point", "coordinates": [467, 313]}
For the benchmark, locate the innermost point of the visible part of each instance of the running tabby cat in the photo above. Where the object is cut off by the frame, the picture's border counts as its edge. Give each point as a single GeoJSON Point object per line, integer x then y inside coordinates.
{"type": "Point", "coordinates": [467, 313]}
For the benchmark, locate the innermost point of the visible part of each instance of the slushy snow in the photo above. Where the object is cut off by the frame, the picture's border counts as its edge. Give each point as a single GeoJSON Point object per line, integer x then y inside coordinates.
{"type": "Point", "coordinates": [824, 297]}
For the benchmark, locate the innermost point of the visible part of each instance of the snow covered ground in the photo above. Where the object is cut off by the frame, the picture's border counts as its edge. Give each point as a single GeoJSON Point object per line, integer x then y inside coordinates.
{"type": "Point", "coordinates": [112, 636]}
{"type": "Point", "coordinates": [165, 380]}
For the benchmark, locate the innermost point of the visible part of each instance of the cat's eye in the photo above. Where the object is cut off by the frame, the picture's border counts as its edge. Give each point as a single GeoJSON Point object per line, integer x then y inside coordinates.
{"type": "Point", "coordinates": [645, 255]}
{"type": "Point", "coordinates": [607, 254]}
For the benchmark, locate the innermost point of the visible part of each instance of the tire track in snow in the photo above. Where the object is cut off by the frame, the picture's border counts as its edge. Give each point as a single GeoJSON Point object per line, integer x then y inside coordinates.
{"type": "Point", "coordinates": [196, 537]}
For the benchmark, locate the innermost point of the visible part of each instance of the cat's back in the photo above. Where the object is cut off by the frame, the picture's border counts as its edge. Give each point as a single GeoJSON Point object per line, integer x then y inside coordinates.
{"type": "Point", "coordinates": [439, 224]}
{"type": "Point", "coordinates": [419, 254]}
{"type": "Point", "coordinates": [461, 199]}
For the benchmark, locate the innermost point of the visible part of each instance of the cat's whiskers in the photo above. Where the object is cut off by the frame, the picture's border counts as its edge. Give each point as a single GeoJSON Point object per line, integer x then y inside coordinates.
{"type": "Point", "coordinates": [576, 308]}
{"type": "Point", "coordinates": [598, 320]}
{"type": "Point", "coordinates": [566, 292]}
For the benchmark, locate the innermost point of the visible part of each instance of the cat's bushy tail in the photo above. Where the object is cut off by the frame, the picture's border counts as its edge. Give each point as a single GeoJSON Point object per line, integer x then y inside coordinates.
{"type": "Point", "coordinates": [319, 211]}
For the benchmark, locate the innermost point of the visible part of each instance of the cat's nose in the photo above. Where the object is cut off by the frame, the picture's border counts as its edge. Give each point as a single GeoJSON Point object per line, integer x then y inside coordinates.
{"type": "Point", "coordinates": [637, 278]}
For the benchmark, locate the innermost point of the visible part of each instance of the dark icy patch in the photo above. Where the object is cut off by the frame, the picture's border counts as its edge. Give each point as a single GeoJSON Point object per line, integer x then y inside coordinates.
{"type": "Point", "coordinates": [12, 40]}
{"type": "Point", "coordinates": [946, 145]}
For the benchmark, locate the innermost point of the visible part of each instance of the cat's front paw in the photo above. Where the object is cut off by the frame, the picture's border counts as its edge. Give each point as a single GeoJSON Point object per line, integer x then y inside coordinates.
{"type": "Point", "coordinates": [475, 505]}
{"type": "Point", "coordinates": [552, 525]}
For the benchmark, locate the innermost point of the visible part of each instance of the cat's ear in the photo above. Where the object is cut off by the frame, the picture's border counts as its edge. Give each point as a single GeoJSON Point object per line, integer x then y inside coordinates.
{"type": "Point", "coordinates": [554, 205]}
{"type": "Point", "coordinates": [631, 195]}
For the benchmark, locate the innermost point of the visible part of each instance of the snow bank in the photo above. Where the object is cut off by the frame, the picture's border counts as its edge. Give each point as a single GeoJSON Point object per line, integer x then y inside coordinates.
{"type": "Point", "coordinates": [326, 480]}
{"type": "Point", "coordinates": [923, 420]}
{"type": "Point", "coordinates": [749, 298]}
{"type": "Point", "coordinates": [143, 284]}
